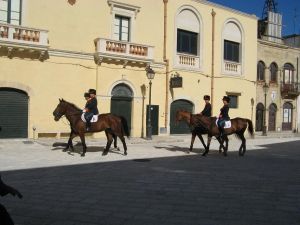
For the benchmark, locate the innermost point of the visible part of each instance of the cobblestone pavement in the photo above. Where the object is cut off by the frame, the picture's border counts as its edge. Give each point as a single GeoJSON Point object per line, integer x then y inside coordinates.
{"type": "Point", "coordinates": [158, 183]}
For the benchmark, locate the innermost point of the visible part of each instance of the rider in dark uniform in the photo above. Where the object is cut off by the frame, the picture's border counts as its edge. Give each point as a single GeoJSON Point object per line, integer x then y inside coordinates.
{"type": "Point", "coordinates": [207, 109]}
{"type": "Point", "coordinates": [223, 117]}
{"type": "Point", "coordinates": [91, 108]}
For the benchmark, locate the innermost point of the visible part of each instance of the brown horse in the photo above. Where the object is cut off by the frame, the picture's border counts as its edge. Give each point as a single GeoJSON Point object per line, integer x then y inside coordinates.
{"type": "Point", "coordinates": [112, 125]}
{"type": "Point", "coordinates": [197, 130]}
{"type": "Point", "coordinates": [238, 127]}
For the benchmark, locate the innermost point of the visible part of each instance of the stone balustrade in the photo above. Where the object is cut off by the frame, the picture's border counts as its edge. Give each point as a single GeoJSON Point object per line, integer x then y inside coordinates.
{"type": "Point", "coordinates": [233, 68]}
{"type": "Point", "coordinates": [187, 61]}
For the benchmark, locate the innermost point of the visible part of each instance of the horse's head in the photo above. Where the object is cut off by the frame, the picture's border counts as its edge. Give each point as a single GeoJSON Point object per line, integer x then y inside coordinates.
{"type": "Point", "coordinates": [182, 115]}
{"type": "Point", "coordinates": [60, 110]}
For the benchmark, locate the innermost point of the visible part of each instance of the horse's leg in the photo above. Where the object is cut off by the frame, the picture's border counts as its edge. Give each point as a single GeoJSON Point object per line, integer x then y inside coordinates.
{"type": "Point", "coordinates": [243, 145]}
{"type": "Point", "coordinates": [115, 137]}
{"type": "Point", "coordinates": [70, 143]}
{"type": "Point", "coordinates": [202, 141]}
{"type": "Point", "coordinates": [124, 144]}
{"type": "Point", "coordinates": [82, 138]}
{"type": "Point", "coordinates": [208, 144]}
{"type": "Point", "coordinates": [226, 144]}
{"type": "Point", "coordinates": [108, 144]}
{"type": "Point", "coordinates": [192, 141]}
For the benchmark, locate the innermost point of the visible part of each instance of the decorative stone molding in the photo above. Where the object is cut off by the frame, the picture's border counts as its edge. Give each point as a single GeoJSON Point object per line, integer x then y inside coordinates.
{"type": "Point", "coordinates": [115, 4]}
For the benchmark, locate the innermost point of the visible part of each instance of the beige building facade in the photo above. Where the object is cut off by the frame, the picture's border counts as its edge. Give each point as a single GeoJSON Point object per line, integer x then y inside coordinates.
{"type": "Point", "coordinates": [277, 79]}
{"type": "Point", "coordinates": [59, 49]}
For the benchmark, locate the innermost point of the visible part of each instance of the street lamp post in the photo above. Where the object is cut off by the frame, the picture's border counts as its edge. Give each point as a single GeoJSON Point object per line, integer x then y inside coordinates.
{"type": "Point", "coordinates": [150, 75]}
{"type": "Point", "coordinates": [265, 88]}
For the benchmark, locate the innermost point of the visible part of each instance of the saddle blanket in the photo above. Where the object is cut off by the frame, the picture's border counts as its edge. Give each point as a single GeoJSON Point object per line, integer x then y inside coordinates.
{"type": "Point", "coordinates": [227, 123]}
{"type": "Point", "coordinates": [93, 120]}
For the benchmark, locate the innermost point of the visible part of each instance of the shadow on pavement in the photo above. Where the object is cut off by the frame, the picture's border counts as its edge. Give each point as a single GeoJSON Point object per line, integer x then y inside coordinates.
{"type": "Point", "coordinates": [261, 188]}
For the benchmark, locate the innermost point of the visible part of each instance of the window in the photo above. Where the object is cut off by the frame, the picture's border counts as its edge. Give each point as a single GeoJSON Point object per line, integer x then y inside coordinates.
{"type": "Point", "coordinates": [10, 11]}
{"type": "Point", "coordinates": [121, 28]}
{"type": "Point", "coordinates": [233, 101]}
{"type": "Point", "coordinates": [231, 51]}
{"type": "Point", "coordinates": [261, 71]}
{"type": "Point", "coordinates": [187, 42]}
{"type": "Point", "coordinates": [288, 73]}
{"type": "Point", "coordinates": [273, 70]}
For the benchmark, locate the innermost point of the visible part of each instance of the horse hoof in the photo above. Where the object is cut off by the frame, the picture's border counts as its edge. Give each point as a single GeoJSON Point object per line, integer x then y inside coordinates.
{"type": "Point", "coordinates": [104, 153]}
{"type": "Point", "coordinates": [118, 149]}
{"type": "Point", "coordinates": [65, 149]}
{"type": "Point", "coordinates": [188, 152]}
{"type": "Point", "coordinates": [204, 154]}
{"type": "Point", "coordinates": [82, 154]}
{"type": "Point", "coordinates": [125, 153]}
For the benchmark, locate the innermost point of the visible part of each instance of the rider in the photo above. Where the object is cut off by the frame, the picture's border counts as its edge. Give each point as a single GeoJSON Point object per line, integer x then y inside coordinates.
{"type": "Point", "coordinates": [90, 107]}
{"type": "Point", "coordinates": [207, 109]}
{"type": "Point", "coordinates": [223, 117]}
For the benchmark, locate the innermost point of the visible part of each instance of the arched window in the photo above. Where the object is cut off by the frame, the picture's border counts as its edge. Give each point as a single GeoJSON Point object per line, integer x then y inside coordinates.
{"type": "Point", "coordinates": [232, 36]}
{"type": "Point", "coordinates": [288, 77]}
{"type": "Point", "coordinates": [188, 29]}
{"type": "Point", "coordinates": [10, 11]}
{"type": "Point", "coordinates": [261, 71]}
{"type": "Point", "coordinates": [273, 71]}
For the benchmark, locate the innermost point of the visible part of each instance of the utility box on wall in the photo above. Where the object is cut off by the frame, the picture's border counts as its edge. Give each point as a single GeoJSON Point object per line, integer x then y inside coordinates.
{"type": "Point", "coordinates": [176, 82]}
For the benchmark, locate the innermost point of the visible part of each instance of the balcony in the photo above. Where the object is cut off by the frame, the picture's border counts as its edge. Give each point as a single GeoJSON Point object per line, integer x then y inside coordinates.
{"type": "Point", "coordinates": [232, 68]}
{"type": "Point", "coordinates": [186, 61]}
{"type": "Point", "coordinates": [123, 53]}
{"type": "Point", "coordinates": [289, 90]}
{"type": "Point", "coordinates": [19, 41]}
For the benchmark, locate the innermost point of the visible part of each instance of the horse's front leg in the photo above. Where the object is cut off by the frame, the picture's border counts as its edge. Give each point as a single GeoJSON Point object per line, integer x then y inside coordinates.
{"type": "Point", "coordinates": [208, 144]}
{"type": "Point", "coordinates": [70, 143]}
{"type": "Point", "coordinates": [202, 141]}
{"type": "Point", "coordinates": [82, 138]}
{"type": "Point", "coordinates": [192, 141]}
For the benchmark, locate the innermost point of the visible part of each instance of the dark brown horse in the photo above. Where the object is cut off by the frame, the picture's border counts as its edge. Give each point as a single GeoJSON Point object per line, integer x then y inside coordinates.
{"type": "Point", "coordinates": [196, 129]}
{"type": "Point", "coordinates": [238, 127]}
{"type": "Point", "coordinates": [112, 125]}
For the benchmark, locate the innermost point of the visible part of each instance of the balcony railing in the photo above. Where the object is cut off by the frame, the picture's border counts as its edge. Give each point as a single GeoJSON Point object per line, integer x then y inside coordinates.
{"type": "Point", "coordinates": [187, 61]}
{"type": "Point", "coordinates": [126, 51]}
{"type": "Point", "coordinates": [21, 38]}
{"type": "Point", "coordinates": [290, 90]}
{"type": "Point", "coordinates": [232, 68]}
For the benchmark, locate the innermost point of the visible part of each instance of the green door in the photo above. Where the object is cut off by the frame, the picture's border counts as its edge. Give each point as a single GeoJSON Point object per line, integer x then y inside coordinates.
{"type": "Point", "coordinates": [13, 113]}
{"type": "Point", "coordinates": [121, 102]}
{"type": "Point", "coordinates": [154, 118]}
{"type": "Point", "coordinates": [181, 127]}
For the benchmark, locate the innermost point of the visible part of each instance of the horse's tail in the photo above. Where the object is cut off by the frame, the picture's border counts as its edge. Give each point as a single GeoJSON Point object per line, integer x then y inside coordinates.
{"type": "Point", "coordinates": [250, 127]}
{"type": "Point", "coordinates": [125, 126]}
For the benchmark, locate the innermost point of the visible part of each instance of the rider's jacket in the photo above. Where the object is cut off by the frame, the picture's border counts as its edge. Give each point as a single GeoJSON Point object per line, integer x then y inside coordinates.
{"type": "Point", "coordinates": [91, 105]}
{"type": "Point", "coordinates": [207, 110]}
{"type": "Point", "coordinates": [224, 113]}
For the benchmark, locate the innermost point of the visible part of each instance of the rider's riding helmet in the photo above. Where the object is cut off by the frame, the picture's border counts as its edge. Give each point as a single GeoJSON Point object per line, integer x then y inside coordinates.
{"type": "Point", "coordinates": [92, 91]}
{"type": "Point", "coordinates": [206, 97]}
{"type": "Point", "coordinates": [226, 98]}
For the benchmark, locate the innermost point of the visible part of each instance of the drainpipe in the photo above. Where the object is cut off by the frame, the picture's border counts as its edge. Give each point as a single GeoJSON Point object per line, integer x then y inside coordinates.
{"type": "Point", "coordinates": [298, 86]}
{"type": "Point", "coordinates": [213, 14]}
{"type": "Point", "coordinates": [167, 63]}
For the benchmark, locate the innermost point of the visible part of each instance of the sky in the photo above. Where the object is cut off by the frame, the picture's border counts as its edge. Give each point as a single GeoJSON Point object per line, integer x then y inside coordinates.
{"type": "Point", "coordinates": [285, 7]}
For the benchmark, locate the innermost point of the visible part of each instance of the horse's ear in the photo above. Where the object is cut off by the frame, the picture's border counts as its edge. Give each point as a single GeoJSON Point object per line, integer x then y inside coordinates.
{"type": "Point", "coordinates": [59, 100]}
{"type": "Point", "coordinates": [62, 100]}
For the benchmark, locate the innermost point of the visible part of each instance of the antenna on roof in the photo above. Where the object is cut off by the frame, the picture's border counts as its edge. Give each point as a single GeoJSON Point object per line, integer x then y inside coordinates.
{"type": "Point", "coordinates": [270, 6]}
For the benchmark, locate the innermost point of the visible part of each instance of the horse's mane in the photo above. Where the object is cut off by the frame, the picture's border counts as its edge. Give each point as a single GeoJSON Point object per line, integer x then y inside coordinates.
{"type": "Point", "coordinates": [72, 105]}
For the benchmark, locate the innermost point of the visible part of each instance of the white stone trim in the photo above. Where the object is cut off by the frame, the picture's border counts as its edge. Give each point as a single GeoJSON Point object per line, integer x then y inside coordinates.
{"type": "Point", "coordinates": [122, 81]}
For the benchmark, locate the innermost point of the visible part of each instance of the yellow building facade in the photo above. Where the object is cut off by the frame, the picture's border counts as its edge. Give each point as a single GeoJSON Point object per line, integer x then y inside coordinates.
{"type": "Point", "coordinates": [59, 49]}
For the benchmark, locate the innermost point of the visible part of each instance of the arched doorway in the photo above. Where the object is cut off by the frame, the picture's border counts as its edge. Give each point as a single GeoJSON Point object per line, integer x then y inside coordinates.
{"type": "Point", "coordinates": [287, 116]}
{"type": "Point", "coordinates": [121, 102]}
{"type": "Point", "coordinates": [181, 127]}
{"type": "Point", "coordinates": [259, 117]}
{"type": "Point", "coordinates": [13, 113]}
{"type": "Point", "coordinates": [272, 117]}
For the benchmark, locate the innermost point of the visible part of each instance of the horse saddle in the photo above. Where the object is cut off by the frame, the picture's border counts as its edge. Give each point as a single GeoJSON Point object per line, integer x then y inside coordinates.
{"type": "Point", "coordinates": [227, 123]}
{"type": "Point", "coordinates": [93, 120]}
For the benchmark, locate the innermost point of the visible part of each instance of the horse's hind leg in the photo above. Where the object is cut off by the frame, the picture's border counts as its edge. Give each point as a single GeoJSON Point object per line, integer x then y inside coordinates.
{"type": "Point", "coordinates": [242, 149]}
{"type": "Point", "coordinates": [82, 138]}
{"type": "Point", "coordinates": [115, 142]}
{"type": "Point", "coordinates": [226, 145]}
{"type": "Point", "coordinates": [108, 144]}
{"type": "Point", "coordinates": [124, 144]}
